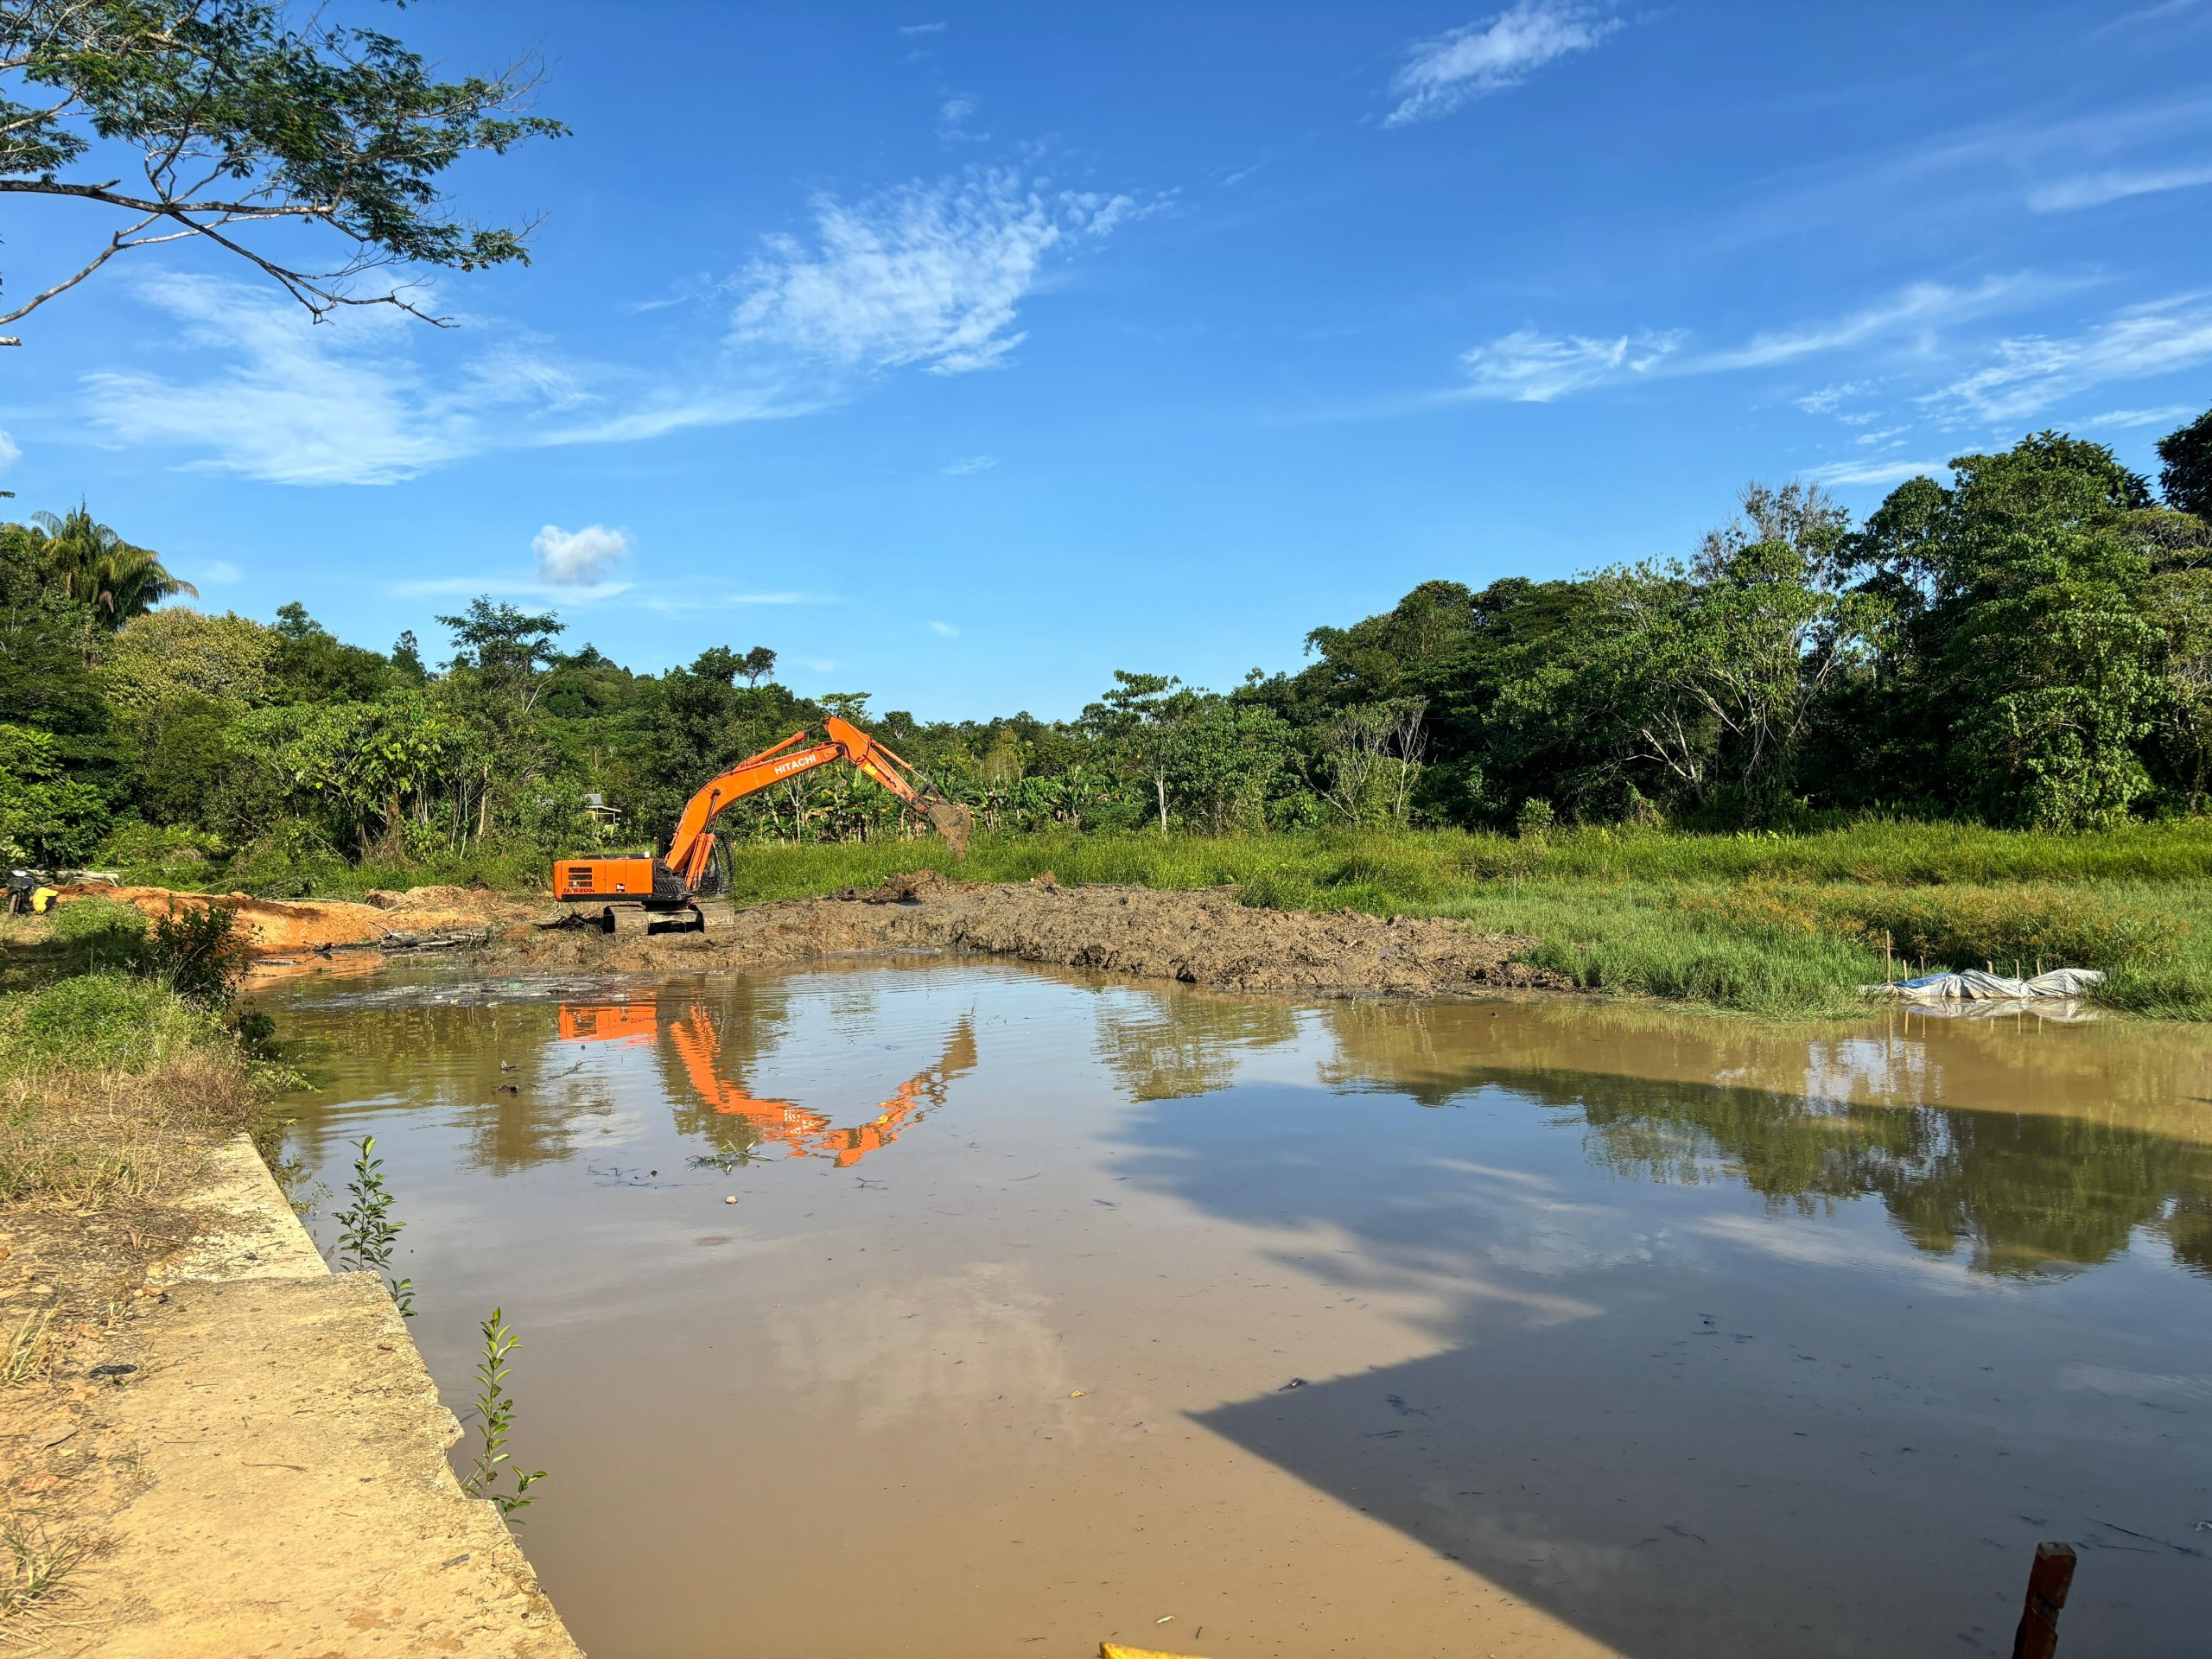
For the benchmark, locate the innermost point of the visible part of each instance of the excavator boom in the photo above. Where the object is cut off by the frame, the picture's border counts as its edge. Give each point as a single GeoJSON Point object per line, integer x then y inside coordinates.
{"type": "Point", "coordinates": [673, 881]}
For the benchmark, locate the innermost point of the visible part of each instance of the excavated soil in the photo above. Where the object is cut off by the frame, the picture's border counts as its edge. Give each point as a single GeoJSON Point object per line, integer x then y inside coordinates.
{"type": "Point", "coordinates": [1199, 938]}
{"type": "Point", "coordinates": [273, 926]}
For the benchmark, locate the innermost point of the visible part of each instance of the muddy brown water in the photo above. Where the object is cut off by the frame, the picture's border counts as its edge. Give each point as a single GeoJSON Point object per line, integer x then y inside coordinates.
{"type": "Point", "coordinates": [1051, 1308]}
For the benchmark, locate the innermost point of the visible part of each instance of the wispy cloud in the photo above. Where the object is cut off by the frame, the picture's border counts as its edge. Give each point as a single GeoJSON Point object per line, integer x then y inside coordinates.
{"type": "Point", "coordinates": [215, 573]}
{"type": "Point", "coordinates": [11, 452]}
{"type": "Point", "coordinates": [1441, 74]}
{"type": "Point", "coordinates": [348, 401]}
{"type": "Point", "coordinates": [500, 582]}
{"type": "Point", "coordinates": [952, 121]}
{"type": "Point", "coordinates": [971, 464]}
{"type": "Point", "coordinates": [689, 602]}
{"type": "Point", "coordinates": [578, 559]}
{"type": "Point", "coordinates": [2032, 373]}
{"type": "Point", "coordinates": [1920, 304]}
{"type": "Point", "coordinates": [1527, 367]}
{"type": "Point", "coordinates": [944, 629]}
{"type": "Point", "coordinates": [2095, 189]}
{"type": "Point", "coordinates": [927, 274]}
{"type": "Point", "coordinates": [923, 28]}
{"type": "Point", "coordinates": [2169, 416]}
{"type": "Point", "coordinates": [1873, 471]}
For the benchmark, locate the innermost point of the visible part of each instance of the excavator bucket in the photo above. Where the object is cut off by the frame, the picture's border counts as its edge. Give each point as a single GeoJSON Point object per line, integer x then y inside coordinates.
{"type": "Point", "coordinates": [952, 821]}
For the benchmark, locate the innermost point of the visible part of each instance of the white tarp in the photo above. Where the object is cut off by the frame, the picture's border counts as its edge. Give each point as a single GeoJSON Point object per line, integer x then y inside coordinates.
{"type": "Point", "coordinates": [1975, 985]}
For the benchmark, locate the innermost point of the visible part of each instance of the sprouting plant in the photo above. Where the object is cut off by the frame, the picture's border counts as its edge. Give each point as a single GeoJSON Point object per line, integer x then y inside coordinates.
{"type": "Point", "coordinates": [366, 1231]}
{"type": "Point", "coordinates": [495, 1416]}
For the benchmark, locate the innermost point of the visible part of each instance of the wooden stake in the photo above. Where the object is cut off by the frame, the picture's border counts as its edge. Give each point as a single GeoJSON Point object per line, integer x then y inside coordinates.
{"type": "Point", "coordinates": [2048, 1580]}
{"type": "Point", "coordinates": [1889, 973]}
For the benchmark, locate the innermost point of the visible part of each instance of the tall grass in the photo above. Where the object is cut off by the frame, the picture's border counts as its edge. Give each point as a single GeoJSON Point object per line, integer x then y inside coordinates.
{"type": "Point", "coordinates": [1766, 924]}
{"type": "Point", "coordinates": [113, 1088]}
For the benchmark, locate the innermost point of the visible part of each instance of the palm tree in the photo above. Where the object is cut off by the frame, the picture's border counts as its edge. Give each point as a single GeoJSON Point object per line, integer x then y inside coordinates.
{"type": "Point", "coordinates": [92, 563]}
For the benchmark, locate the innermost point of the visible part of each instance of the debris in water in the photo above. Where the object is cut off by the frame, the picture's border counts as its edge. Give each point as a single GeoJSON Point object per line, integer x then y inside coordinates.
{"type": "Point", "coordinates": [732, 1198]}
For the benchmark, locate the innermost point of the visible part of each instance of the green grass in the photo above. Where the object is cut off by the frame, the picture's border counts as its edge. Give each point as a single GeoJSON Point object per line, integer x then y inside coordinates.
{"type": "Point", "coordinates": [1771, 924]}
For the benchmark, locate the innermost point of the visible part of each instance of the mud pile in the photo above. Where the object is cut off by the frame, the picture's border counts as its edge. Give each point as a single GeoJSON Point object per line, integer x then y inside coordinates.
{"type": "Point", "coordinates": [275, 927]}
{"type": "Point", "coordinates": [1199, 938]}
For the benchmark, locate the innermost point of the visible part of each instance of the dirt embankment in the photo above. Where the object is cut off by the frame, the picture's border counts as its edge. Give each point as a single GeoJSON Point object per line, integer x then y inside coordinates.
{"type": "Point", "coordinates": [221, 1450]}
{"type": "Point", "coordinates": [1199, 938]}
{"type": "Point", "coordinates": [275, 926]}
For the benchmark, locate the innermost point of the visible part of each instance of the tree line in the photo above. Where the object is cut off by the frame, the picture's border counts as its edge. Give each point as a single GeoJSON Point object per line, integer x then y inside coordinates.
{"type": "Point", "coordinates": [2028, 645]}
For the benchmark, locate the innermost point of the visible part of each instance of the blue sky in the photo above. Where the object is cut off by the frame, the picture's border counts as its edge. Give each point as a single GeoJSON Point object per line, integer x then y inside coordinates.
{"type": "Point", "coordinates": [964, 354]}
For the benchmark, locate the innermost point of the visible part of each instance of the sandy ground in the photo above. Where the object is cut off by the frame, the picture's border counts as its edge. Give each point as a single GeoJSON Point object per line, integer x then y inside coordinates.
{"type": "Point", "coordinates": [244, 1455]}
{"type": "Point", "coordinates": [1198, 938]}
{"type": "Point", "coordinates": [275, 926]}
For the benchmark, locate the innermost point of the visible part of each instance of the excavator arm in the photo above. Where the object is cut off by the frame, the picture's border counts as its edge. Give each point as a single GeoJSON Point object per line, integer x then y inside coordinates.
{"type": "Point", "coordinates": [673, 880]}
{"type": "Point", "coordinates": [692, 844]}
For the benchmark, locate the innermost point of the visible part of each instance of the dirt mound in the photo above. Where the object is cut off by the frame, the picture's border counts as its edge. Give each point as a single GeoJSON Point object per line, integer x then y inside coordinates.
{"type": "Point", "coordinates": [1199, 938]}
{"type": "Point", "coordinates": [275, 926]}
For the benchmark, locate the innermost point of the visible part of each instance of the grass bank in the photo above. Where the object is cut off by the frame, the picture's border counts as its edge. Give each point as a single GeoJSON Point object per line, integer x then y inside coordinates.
{"type": "Point", "coordinates": [112, 1088]}
{"type": "Point", "coordinates": [1766, 923]}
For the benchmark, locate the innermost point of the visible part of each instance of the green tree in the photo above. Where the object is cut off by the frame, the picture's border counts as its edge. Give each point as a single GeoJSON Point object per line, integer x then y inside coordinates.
{"type": "Point", "coordinates": [227, 659]}
{"type": "Point", "coordinates": [2056, 677]}
{"type": "Point", "coordinates": [89, 561]}
{"type": "Point", "coordinates": [310, 663]}
{"type": "Point", "coordinates": [44, 816]}
{"type": "Point", "coordinates": [1136, 719]}
{"type": "Point", "coordinates": [2185, 477]}
{"type": "Point", "coordinates": [247, 130]}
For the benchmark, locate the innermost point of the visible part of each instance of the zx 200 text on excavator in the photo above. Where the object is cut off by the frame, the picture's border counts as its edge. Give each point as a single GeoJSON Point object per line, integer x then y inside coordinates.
{"type": "Point", "coordinates": [632, 893]}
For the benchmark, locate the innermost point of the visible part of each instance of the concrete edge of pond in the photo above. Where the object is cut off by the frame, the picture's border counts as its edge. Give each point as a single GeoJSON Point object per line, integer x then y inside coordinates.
{"type": "Point", "coordinates": [294, 1494]}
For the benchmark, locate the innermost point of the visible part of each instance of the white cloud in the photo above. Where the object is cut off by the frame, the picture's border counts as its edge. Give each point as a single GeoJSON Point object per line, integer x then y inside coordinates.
{"type": "Point", "coordinates": [944, 629]}
{"type": "Point", "coordinates": [1922, 304]}
{"type": "Point", "coordinates": [1528, 367]}
{"type": "Point", "coordinates": [2032, 373]}
{"type": "Point", "coordinates": [971, 464]}
{"type": "Point", "coordinates": [2170, 414]}
{"type": "Point", "coordinates": [1873, 471]}
{"type": "Point", "coordinates": [691, 602]}
{"type": "Point", "coordinates": [578, 559]}
{"type": "Point", "coordinates": [216, 573]}
{"type": "Point", "coordinates": [347, 401]}
{"type": "Point", "coordinates": [11, 452]}
{"type": "Point", "coordinates": [1886, 434]}
{"type": "Point", "coordinates": [2095, 189]}
{"type": "Point", "coordinates": [1828, 399]}
{"type": "Point", "coordinates": [952, 121]}
{"type": "Point", "coordinates": [1439, 75]}
{"type": "Point", "coordinates": [504, 582]}
{"type": "Point", "coordinates": [923, 28]}
{"type": "Point", "coordinates": [819, 664]}
{"type": "Point", "coordinates": [928, 274]}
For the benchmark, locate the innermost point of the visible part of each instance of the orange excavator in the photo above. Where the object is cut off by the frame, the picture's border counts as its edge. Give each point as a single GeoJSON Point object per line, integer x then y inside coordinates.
{"type": "Point", "coordinates": [634, 893]}
{"type": "Point", "coordinates": [800, 1130]}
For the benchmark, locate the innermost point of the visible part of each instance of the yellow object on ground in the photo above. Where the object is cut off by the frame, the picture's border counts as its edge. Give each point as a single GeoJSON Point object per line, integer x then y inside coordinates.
{"type": "Point", "coordinates": [1115, 1651]}
{"type": "Point", "coordinates": [42, 899]}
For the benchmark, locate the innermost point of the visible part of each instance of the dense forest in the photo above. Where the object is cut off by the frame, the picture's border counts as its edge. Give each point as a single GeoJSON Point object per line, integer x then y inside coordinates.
{"type": "Point", "coordinates": [2029, 647]}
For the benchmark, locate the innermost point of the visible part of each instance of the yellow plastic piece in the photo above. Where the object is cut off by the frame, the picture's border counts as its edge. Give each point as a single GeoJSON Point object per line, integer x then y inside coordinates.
{"type": "Point", "coordinates": [1115, 1651]}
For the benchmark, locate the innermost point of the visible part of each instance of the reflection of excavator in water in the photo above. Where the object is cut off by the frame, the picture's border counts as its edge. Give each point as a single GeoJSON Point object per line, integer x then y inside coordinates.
{"type": "Point", "coordinates": [633, 893]}
{"type": "Point", "coordinates": [803, 1132]}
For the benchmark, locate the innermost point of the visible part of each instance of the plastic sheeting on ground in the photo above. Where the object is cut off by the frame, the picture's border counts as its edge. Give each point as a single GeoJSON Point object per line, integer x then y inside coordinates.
{"type": "Point", "coordinates": [1975, 985]}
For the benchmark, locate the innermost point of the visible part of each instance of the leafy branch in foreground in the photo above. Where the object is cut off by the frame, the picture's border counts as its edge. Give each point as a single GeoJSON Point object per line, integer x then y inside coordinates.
{"type": "Point", "coordinates": [367, 1231]}
{"type": "Point", "coordinates": [237, 120]}
{"type": "Point", "coordinates": [495, 1416]}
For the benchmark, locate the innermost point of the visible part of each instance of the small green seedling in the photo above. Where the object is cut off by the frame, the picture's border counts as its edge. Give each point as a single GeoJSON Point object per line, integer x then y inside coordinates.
{"type": "Point", "coordinates": [367, 1232]}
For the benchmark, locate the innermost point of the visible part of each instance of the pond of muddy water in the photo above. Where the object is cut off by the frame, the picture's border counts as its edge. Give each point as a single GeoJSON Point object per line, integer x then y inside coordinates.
{"type": "Point", "coordinates": [1050, 1309]}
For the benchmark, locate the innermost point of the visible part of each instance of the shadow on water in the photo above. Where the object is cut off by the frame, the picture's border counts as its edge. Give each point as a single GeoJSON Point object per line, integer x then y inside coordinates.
{"type": "Point", "coordinates": [1686, 1424]}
